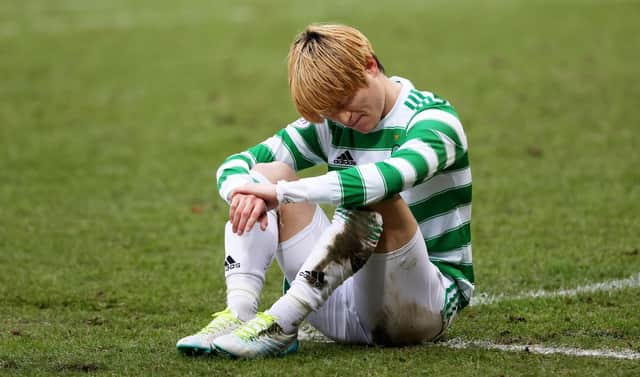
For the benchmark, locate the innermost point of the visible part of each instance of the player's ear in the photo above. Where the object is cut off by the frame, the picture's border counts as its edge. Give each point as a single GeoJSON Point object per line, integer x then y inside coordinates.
{"type": "Point", "coordinates": [372, 66]}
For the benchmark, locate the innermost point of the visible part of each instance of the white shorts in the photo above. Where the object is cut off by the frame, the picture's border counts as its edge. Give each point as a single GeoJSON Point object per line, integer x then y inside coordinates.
{"type": "Point", "coordinates": [397, 298]}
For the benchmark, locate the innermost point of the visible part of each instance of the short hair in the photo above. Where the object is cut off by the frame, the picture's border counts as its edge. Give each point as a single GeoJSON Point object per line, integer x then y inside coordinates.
{"type": "Point", "coordinates": [327, 66]}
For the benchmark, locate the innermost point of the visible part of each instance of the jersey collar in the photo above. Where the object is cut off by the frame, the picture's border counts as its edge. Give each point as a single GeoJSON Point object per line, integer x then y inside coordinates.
{"type": "Point", "coordinates": [397, 106]}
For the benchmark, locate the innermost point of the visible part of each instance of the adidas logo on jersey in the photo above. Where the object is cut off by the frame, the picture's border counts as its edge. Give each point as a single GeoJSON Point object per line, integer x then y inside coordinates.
{"type": "Point", "coordinates": [344, 159]}
{"type": "Point", "coordinates": [230, 263]}
{"type": "Point", "coordinates": [315, 278]}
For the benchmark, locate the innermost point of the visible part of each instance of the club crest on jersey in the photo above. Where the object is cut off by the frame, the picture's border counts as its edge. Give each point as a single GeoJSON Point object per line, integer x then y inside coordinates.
{"type": "Point", "coordinates": [344, 159]}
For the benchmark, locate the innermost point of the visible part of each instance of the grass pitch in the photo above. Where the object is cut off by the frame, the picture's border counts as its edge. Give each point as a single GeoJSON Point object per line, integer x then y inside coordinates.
{"type": "Point", "coordinates": [114, 116]}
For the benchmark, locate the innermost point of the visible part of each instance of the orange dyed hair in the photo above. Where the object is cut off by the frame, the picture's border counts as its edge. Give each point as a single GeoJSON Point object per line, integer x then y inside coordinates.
{"type": "Point", "coordinates": [327, 66]}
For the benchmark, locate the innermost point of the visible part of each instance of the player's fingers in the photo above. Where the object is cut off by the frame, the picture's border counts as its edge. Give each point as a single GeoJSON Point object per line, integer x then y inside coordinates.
{"type": "Point", "coordinates": [264, 221]}
{"type": "Point", "coordinates": [251, 220]}
{"type": "Point", "coordinates": [237, 214]}
{"type": "Point", "coordinates": [243, 216]}
{"type": "Point", "coordinates": [258, 209]}
{"type": "Point", "coordinates": [233, 207]}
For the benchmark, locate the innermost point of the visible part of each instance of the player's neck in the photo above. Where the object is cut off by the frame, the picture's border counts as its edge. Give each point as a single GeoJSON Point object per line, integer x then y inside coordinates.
{"type": "Point", "coordinates": [391, 92]}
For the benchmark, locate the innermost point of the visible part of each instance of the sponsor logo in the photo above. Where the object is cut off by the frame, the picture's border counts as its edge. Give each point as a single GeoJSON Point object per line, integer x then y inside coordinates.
{"type": "Point", "coordinates": [230, 263]}
{"type": "Point", "coordinates": [315, 278]}
{"type": "Point", "coordinates": [344, 159]}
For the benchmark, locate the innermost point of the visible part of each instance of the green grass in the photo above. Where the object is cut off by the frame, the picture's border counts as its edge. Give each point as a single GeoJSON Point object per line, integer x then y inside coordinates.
{"type": "Point", "coordinates": [114, 116]}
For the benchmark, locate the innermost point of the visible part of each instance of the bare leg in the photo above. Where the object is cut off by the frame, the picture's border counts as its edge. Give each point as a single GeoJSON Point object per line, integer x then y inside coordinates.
{"type": "Point", "coordinates": [399, 224]}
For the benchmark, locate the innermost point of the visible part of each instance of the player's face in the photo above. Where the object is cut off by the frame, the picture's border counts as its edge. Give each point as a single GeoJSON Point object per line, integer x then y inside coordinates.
{"type": "Point", "coordinates": [364, 110]}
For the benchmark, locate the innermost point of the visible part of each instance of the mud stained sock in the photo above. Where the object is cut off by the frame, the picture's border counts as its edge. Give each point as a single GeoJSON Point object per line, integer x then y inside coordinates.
{"type": "Point", "coordinates": [341, 251]}
{"type": "Point", "coordinates": [247, 259]}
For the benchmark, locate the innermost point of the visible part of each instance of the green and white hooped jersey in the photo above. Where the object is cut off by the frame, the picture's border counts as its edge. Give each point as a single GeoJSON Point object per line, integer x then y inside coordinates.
{"type": "Point", "coordinates": [418, 150]}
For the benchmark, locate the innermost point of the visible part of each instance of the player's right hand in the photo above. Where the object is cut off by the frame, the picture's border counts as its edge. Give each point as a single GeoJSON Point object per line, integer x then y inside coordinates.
{"type": "Point", "coordinates": [245, 210]}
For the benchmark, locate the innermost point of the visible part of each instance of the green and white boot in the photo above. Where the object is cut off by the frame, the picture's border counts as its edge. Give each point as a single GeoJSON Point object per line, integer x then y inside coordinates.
{"type": "Point", "coordinates": [201, 343]}
{"type": "Point", "coordinates": [259, 337]}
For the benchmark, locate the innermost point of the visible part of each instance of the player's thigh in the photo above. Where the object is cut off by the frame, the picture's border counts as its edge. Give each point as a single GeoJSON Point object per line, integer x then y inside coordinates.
{"type": "Point", "coordinates": [399, 296]}
{"type": "Point", "coordinates": [338, 319]}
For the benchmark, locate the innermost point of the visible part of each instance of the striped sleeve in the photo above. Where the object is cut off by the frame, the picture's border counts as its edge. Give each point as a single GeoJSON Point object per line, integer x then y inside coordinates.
{"type": "Point", "coordinates": [299, 145]}
{"type": "Point", "coordinates": [435, 141]}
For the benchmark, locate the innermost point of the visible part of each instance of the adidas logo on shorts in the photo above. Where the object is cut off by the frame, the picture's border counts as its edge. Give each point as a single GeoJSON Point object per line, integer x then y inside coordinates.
{"type": "Point", "coordinates": [230, 263]}
{"type": "Point", "coordinates": [344, 159]}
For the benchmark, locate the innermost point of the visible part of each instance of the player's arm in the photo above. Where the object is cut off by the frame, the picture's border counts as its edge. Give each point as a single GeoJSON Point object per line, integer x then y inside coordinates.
{"type": "Point", "coordinates": [299, 145]}
{"type": "Point", "coordinates": [435, 140]}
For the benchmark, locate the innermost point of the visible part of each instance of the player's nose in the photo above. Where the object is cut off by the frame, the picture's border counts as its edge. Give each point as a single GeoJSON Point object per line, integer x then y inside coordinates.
{"type": "Point", "coordinates": [344, 117]}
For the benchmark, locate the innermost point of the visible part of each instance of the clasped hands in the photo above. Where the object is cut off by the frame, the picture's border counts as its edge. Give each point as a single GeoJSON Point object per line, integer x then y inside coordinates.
{"type": "Point", "coordinates": [249, 204]}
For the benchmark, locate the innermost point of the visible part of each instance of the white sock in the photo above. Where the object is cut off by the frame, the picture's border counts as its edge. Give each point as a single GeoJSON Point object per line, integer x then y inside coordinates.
{"type": "Point", "coordinates": [247, 258]}
{"type": "Point", "coordinates": [341, 251]}
{"type": "Point", "coordinates": [290, 312]}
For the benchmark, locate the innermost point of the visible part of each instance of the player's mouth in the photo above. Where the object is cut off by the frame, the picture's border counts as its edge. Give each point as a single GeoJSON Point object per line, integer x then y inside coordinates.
{"type": "Point", "coordinates": [357, 122]}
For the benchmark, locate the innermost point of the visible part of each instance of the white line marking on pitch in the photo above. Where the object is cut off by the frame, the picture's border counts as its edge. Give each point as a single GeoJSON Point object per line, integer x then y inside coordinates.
{"type": "Point", "coordinates": [605, 286]}
{"type": "Point", "coordinates": [312, 335]}
{"type": "Point", "coordinates": [626, 354]}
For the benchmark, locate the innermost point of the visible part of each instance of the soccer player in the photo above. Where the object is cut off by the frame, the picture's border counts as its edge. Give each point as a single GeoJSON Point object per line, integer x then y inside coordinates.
{"type": "Point", "coordinates": [393, 266]}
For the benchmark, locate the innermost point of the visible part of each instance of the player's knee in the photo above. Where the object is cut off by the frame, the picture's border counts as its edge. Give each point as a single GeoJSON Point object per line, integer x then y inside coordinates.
{"type": "Point", "coordinates": [276, 171]}
{"type": "Point", "coordinates": [399, 224]}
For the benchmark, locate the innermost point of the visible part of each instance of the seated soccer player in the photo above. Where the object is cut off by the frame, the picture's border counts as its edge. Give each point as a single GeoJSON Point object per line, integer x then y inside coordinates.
{"type": "Point", "coordinates": [393, 266]}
